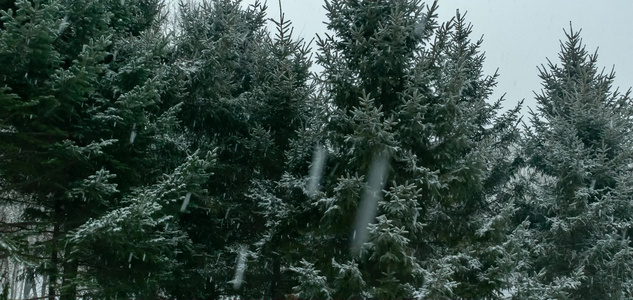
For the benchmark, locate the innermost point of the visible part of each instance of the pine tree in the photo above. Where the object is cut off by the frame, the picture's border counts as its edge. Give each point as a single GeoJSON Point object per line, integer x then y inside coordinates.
{"type": "Point", "coordinates": [144, 117]}
{"type": "Point", "coordinates": [365, 73]}
{"type": "Point", "coordinates": [580, 142]}
{"type": "Point", "coordinates": [246, 94]}
{"type": "Point", "coordinates": [281, 148]}
{"type": "Point", "coordinates": [412, 138]}
{"type": "Point", "coordinates": [214, 52]}
{"type": "Point", "coordinates": [140, 249]}
{"type": "Point", "coordinates": [466, 147]}
{"type": "Point", "coordinates": [45, 152]}
{"type": "Point", "coordinates": [81, 111]}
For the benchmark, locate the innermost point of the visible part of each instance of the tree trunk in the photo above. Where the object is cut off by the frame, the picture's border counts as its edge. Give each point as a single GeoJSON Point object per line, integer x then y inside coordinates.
{"type": "Point", "coordinates": [69, 286]}
{"type": "Point", "coordinates": [29, 283]}
{"type": "Point", "coordinates": [14, 282]}
{"type": "Point", "coordinates": [44, 280]}
{"type": "Point", "coordinates": [21, 282]}
{"type": "Point", "coordinates": [52, 279]}
{"type": "Point", "coordinates": [274, 282]}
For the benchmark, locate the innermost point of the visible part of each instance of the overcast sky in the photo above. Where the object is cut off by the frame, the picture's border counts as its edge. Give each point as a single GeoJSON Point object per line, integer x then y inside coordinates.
{"type": "Point", "coordinates": [517, 35]}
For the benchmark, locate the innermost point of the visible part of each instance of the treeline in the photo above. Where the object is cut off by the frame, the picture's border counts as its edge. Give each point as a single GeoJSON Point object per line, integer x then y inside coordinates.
{"type": "Point", "coordinates": [142, 158]}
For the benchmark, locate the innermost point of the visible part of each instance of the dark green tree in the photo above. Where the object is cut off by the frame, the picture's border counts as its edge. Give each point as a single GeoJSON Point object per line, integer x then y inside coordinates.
{"type": "Point", "coordinates": [579, 150]}
{"type": "Point", "coordinates": [44, 150]}
{"type": "Point", "coordinates": [83, 124]}
{"type": "Point", "coordinates": [281, 143]}
{"type": "Point", "coordinates": [139, 250]}
{"type": "Point", "coordinates": [246, 94]}
{"type": "Point", "coordinates": [411, 132]}
{"type": "Point", "coordinates": [214, 50]}
{"type": "Point", "coordinates": [467, 145]}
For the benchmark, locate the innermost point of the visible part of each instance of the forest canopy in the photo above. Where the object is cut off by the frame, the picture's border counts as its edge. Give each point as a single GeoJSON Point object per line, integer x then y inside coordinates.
{"type": "Point", "coordinates": [195, 154]}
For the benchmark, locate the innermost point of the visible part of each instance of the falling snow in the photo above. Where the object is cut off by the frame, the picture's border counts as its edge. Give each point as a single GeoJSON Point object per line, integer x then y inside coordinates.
{"type": "Point", "coordinates": [133, 134]}
{"type": "Point", "coordinates": [240, 267]}
{"type": "Point", "coordinates": [316, 169]}
{"type": "Point", "coordinates": [366, 212]}
{"type": "Point", "coordinates": [185, 202]}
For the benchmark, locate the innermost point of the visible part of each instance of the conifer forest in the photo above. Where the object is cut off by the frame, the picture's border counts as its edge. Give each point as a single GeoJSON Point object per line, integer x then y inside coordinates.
{"type": "Point", "coordinates": [194, 153]}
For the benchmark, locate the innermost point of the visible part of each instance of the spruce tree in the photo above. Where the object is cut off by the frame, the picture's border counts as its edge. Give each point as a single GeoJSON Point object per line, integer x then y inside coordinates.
{"type": "Point", "coordinates": [82, 115]}
{"type": "Point", "coordinates": [411, 138]}
{"type": "Point", "coordinates": [281, 148]}
{"type": "Point", "coordinates": [579, 148]}
{"type": "Point", "coordinates": [139, 250]}
{"type": "Point", "coordinates": [246, 94]}
{"type": "Point", "coordinates": [214, 52]}
{"type": "Point", "coordinates": [467, 147]}
{"type": "Point", "coordinates": [47, 149]}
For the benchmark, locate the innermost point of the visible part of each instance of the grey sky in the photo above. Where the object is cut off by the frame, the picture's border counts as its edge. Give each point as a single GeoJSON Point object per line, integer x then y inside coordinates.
{"type": "Point", "coordinates": [518, 35]}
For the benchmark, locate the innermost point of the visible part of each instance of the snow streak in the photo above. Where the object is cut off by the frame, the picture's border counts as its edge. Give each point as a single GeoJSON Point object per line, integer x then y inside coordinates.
{"type": "Point", "coordinates": [62, 25]}
{"type": "Point", "coordinates": [186, 202]}
{"type": "Point", "coordinates": [238, 279]}
{"type": "Point", "coordinates": [366, 213]}
{"type": "Point", "coordinates": [316, 170]}
{"type": "Point", "coordinates": [133, 134]}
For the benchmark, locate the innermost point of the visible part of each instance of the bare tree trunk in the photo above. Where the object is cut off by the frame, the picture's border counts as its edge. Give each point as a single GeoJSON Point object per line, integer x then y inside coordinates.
{"type": "Point", "coordinates": [274, 280]}
{"type": "Point", "coordinates": [29, 283]}
{"type": "Point", "coordinates": [44, 280]}
{"type": "Point", "coordinates": [69, 286]}
{"type": "Point", "coordinates": [5, 279]}
{"type": "Point", "coordinates": [20, 288]}
{"type": "Point", "coordinates": [52, 279]}
{"type": "Point", "coordinates": [20, 282]}
{"type": "Point", "coordinates": [14, 281]}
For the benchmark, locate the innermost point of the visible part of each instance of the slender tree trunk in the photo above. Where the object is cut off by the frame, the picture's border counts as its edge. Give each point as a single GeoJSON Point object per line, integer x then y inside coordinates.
{"type": "Point", "coordinates": [274, 281]}
{"type": "Point", "coordinates": [4, 274]}
{"type": "Point", "coordinates": [14, 282]}
{"type": "Point", "coordinates": [44, 280]}
{"type": "Point", "coordinates": [21, 282]}
{"type": "Point", "coordinates": [69, 286]}
{"type": "Point", "coordinates": [4, 294]}
{"type": "Point", "coordinates": [29, 283]}
{"type": "Point", "coordinates": [52, 279]}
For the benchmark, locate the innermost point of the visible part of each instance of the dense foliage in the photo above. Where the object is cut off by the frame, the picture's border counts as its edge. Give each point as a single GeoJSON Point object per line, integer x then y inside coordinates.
{"type": "Point", "coordinates": [202, 159]}
{"type": "Point", "coordinates": [578, 213]}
